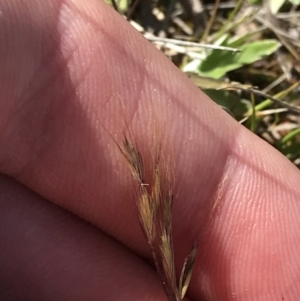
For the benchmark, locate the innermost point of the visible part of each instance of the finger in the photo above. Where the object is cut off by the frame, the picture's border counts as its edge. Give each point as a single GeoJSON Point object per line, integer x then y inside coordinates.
{"type": "Point", "coordinates": [214, 157]}
{"type": "Point", "coordinates": [48, 254]}
{"type": "Point", "coordinates": [57, 134]}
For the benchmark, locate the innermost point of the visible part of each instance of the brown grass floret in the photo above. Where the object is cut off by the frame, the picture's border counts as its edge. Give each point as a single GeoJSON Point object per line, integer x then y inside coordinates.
{"type": "Point", "coordinates": [154, 202]}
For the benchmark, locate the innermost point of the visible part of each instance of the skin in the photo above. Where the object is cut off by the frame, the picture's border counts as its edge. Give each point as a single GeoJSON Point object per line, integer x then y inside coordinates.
{"type": "Point", "coordinates": [73, 75]}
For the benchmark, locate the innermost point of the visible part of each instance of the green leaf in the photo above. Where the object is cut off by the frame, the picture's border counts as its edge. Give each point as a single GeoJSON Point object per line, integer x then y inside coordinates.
{"type": "Point", "coordinates": [123, 5]}
{"type": "Point", "coordinates": [290, 150]}
{"type": "Point", "coordinates": [254, 51]}
{"type": "Point", "coordinates": [218, 63]}
{"type": "Point", "coordinates": [295, 2]}
{"type": "Point", "coordinates": [291, 135]}
{"type": "Point", "coordinates": [230, 101]}
{"type": "Point", "coordinates": [275, 5]}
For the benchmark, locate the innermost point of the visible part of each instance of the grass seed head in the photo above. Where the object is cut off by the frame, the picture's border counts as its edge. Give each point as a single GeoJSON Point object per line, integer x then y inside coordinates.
{"type": "Point", "coordinates": [154, 202]}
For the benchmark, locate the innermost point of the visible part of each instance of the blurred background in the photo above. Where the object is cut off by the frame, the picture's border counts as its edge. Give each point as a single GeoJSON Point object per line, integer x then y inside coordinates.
{"type": "Point", "coordinates": [244, 54]}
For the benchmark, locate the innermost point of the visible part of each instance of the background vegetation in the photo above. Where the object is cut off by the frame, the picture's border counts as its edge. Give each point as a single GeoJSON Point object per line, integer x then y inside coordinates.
{"type": "Point", "coordinates": [256, 79]}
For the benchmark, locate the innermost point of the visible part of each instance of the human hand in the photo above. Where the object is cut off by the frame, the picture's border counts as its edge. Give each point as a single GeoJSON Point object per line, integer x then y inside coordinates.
{"type": "Point", "coordinates": [72, 74]}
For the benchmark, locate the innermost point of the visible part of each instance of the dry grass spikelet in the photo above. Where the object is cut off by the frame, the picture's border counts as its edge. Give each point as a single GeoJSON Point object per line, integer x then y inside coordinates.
{"type": "Point", "coordinates": [154, 203]}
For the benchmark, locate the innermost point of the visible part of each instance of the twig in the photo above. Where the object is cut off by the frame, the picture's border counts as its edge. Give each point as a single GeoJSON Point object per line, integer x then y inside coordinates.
{"type": "Point", "coordinates": [153, 38]}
